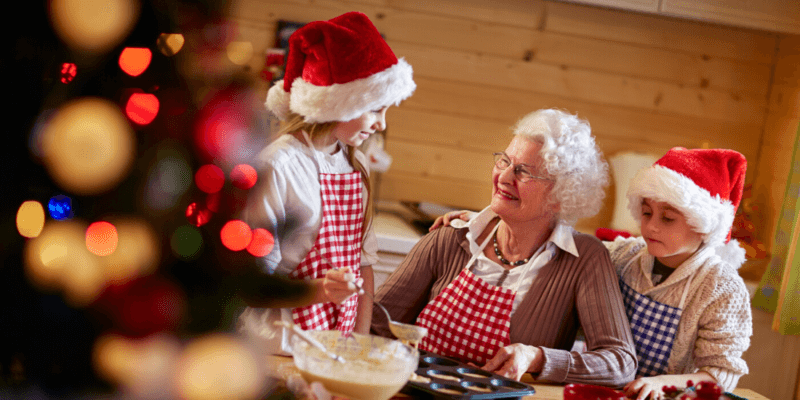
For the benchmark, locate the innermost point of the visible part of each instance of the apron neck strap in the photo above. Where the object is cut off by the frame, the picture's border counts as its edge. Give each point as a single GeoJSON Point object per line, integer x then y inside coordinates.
{"type": "Point", "coordinates": [482, 246]}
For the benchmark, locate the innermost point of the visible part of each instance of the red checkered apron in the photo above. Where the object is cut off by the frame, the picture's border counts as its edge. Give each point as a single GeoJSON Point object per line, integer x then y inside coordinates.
{"type": "Point", "coordinates": [470, 319]}
{"type": "Point", "coordinates": [339, 241]}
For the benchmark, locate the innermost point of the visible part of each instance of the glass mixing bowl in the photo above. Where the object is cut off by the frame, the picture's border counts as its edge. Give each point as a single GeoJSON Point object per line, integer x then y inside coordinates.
{"type": "Point", "coordinates": [375, 368]}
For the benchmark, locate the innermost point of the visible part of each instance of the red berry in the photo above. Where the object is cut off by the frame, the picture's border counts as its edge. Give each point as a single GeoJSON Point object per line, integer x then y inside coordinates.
{"type": "Point", "coordinates": [708, 390]}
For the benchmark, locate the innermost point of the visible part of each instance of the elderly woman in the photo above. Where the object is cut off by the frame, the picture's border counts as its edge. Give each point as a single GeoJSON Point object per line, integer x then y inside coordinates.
{"type": "Point", "coordinates": [510, 289]}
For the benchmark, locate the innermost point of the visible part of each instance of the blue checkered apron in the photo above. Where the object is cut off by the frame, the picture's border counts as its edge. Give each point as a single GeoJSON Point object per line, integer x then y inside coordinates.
{"type": "Point", "coordinates": [653, 326]}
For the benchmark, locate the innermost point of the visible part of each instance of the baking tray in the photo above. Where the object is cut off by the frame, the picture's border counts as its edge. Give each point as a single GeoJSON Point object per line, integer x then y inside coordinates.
{"type": "Point", "coordinates": [452, 379]}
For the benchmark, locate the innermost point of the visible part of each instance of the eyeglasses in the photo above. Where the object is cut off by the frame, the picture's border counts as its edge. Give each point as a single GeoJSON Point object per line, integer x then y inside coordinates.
{"type": "Point", "coordinates": [521, 171]}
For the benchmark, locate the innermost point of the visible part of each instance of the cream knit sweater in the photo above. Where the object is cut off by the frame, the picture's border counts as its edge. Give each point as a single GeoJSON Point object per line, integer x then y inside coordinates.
{"type": "Point", "coordinates": [716, 323]}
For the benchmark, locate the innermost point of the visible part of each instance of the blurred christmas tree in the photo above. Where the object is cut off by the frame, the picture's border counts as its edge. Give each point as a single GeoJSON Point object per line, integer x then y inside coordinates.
{"type": "Point", "coordinates": [128, 259]}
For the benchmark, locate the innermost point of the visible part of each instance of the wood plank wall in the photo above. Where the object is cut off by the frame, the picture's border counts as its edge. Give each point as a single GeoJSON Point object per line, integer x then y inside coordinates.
{"type": "Point", "coordinates": [645, 83]}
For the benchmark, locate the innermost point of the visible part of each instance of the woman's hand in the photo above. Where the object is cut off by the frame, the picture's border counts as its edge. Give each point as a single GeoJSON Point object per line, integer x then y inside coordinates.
{"type": "Point", "coordinates": [338, 285]}
{"type": "Point", "coordinates": [444, 220]}
{"type": "Point", "coordinates": [515, 360]}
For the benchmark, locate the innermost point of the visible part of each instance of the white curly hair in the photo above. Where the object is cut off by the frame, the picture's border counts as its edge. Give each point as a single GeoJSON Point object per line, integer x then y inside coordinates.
{"type": "Point", "coordinates": [572, 158]}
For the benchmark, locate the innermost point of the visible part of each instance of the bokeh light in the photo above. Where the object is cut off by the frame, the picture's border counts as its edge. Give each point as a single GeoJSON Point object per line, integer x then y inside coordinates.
{"type": "Point", "coordinates": [167, 179]}
{"type": "Point", "coordinates": [93, 25]}
{"type": "Point", "coordinates": [142, 108]}
{"type": "Point", "coordinates": [68, 72]}
{"type": "Point", "coordinates": [58, 260]}
{"type": "Point", "coordinates": [236, 235]}
{"type": "Point", "coordinates": [60, 207]}
{"type": "Point", "coordinates": [101, 238]}
{"type": "Point", "coordinates": [186, 242]}
{"type": "Point", "coordinates": [197, 215]}
{"type": "Point", "coordinates": [243, 176]}
{"type": "Point", "coordinates": [149, 305]}
{"type": "Point", "coordinates": [50, 253]}
{"type": "Point", "coordinates": [135, 60]}
{"type": "Point", "coordinates": [170, 44]}
{"type": "Point", "coordinates": [222, 131]}
{"type": "Point", "coordinates": [30, 219]}
{"type": "Point", "coordinates": [138, 251]}
{"type": "Point", "coordinates": [217, 366]}
{"type": "Point", "coordinates": [209, 178]}
{"type": "Point", "coordinates": [240, 53]}
{"type": "Point", "coordinates": [88, 146]}
{"type": "Point", "coordinates": [142, 368]}
{"type": "Point", "coordinates": [213, 200]}
{"type": "Point", "coordinates": [262, 243]}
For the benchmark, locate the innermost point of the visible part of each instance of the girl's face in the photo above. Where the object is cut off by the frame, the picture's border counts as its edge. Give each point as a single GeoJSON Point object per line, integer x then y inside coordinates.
{"type": "Point", "coordinates": [519, 201]}
{"type": "Point", "coordinates": [668, 235]}
{"type": "Point", "coordinates": [356, 131]}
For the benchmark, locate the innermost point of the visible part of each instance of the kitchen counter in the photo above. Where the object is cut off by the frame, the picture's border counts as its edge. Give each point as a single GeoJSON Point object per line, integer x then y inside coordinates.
{"type": "Point", "coordinates": [279, 366]}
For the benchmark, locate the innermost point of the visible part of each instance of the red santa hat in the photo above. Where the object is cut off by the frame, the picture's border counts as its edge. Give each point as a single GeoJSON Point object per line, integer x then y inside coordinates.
{"type": "Point", "coordinates": [339, 69]}
{"type": "Point", "coordinates": [705, 185]}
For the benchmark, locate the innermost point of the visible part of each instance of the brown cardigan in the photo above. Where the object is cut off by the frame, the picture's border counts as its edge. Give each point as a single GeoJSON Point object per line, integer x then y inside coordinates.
{"type": "Point", "coordinates": [569, 292]}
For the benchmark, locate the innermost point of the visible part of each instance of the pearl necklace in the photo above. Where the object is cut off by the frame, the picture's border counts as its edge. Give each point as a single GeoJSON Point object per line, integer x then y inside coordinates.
{"type": "Point", "coordinates": [502, 259]}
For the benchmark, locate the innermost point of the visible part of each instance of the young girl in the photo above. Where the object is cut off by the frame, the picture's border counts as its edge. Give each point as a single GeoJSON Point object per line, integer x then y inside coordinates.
{"type": "Point", "coordinates": [313, 194]}
{"type": "Point", "coordinates": [688, 307]}
{"type": "Point", "coordinates": [689, 310]}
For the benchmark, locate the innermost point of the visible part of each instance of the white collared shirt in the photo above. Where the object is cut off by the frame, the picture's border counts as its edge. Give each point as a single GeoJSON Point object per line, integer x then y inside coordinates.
{"type": "Point", "coordinates": [519, 279]}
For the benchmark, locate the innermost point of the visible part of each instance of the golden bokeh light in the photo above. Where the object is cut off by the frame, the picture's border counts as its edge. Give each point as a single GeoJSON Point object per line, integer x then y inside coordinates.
{"type": "Point", "coordinates": [137, 253]}
{"type": "Point", "coordinates": [30, 219]}
{"type": "Point", "coordinates": [240, 53]}
{"type": "Point", "coordinates": [170, 44]}
{"type": "Point", "coordinates": [217, 366]}
{"type": "Point", "coordinates": [57, 259]}
{"type": "Point", "coordinates": [141, 367]}
{"type": "Point", "coordinates": [88, 146]}
{"type": "Point", "coordinates": [49, 254]}
{"type": "Point", "coordinates": [93, 25]}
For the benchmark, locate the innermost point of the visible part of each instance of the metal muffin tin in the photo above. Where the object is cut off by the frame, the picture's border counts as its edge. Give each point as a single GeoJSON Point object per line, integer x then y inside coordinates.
{"type": "Point", "coordinates": [452, 379]}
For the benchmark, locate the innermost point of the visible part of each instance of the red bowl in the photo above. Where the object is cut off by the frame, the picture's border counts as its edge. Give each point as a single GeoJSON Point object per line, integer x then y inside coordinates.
{"type": "Point", "coordinates": [578, 391]}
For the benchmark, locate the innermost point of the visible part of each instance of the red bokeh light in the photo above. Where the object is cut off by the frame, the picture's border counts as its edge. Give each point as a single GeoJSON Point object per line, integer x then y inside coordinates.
{"type": "Point", "coordinates": [135, 60]}
{"type": "Point", "coordinates": [262, 242]}
{"type": "Point", "coordinates": [236, 235]}
{"type": "Point", "coordinates": [244, 176]}
{"type": "Point", "coordinates": [68, 72]}
{"type": "Point", "coordinates": [101, 238]}
{"type": "Point", "coordinates": [209, 178]}
{"type": "Point", "coordinates": [197, 216]}
{"type": "Point", "coordinates": [142, 108]}
{"type": "Point", "coordinates": [213, 200]}
{"type": "Point", "coordinates": [143, 306]}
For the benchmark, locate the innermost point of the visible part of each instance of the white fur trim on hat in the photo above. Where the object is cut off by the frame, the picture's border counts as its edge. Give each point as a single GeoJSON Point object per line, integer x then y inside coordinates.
{"type": "Point", "coordinates": [346, 101]}
{"type": "Point", "coordinates": [278, 100]}
{"type": "Point", "coordinates": [709, 215]}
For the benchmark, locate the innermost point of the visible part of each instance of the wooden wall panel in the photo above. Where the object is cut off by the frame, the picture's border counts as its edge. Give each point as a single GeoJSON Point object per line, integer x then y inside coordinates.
{"type": "Point", "coordinates": [581, 84]}
{"type": "Point", "coordinates": [772, 168]}
{"type": "Point", "coordinates": [444, 31]}
{"type": "Point", "coordinates": [645, 83]}
{"type": "Point", "coordinates": [665, 33]}
{"type": "Point", "coordinates": [632, 125]}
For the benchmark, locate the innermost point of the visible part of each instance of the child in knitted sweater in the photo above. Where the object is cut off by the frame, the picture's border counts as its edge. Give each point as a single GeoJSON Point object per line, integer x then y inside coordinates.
{"type": "Point", "coordinates": [688, 307]}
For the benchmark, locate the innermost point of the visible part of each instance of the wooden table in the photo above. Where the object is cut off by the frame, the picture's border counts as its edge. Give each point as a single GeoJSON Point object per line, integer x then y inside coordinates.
{"type": "Point", "coordinates": [544, 391]}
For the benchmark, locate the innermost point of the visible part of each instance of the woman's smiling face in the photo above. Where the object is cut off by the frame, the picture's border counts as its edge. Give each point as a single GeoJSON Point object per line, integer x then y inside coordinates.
{"type": "Point", "coordinates": [518, 201]}
{"type": "Point", "coordinates": [669, 236]}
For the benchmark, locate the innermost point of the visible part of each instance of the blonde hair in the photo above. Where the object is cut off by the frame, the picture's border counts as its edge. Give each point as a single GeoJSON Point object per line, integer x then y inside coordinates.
{"type": "Point", "coordinates": [295, 123]}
